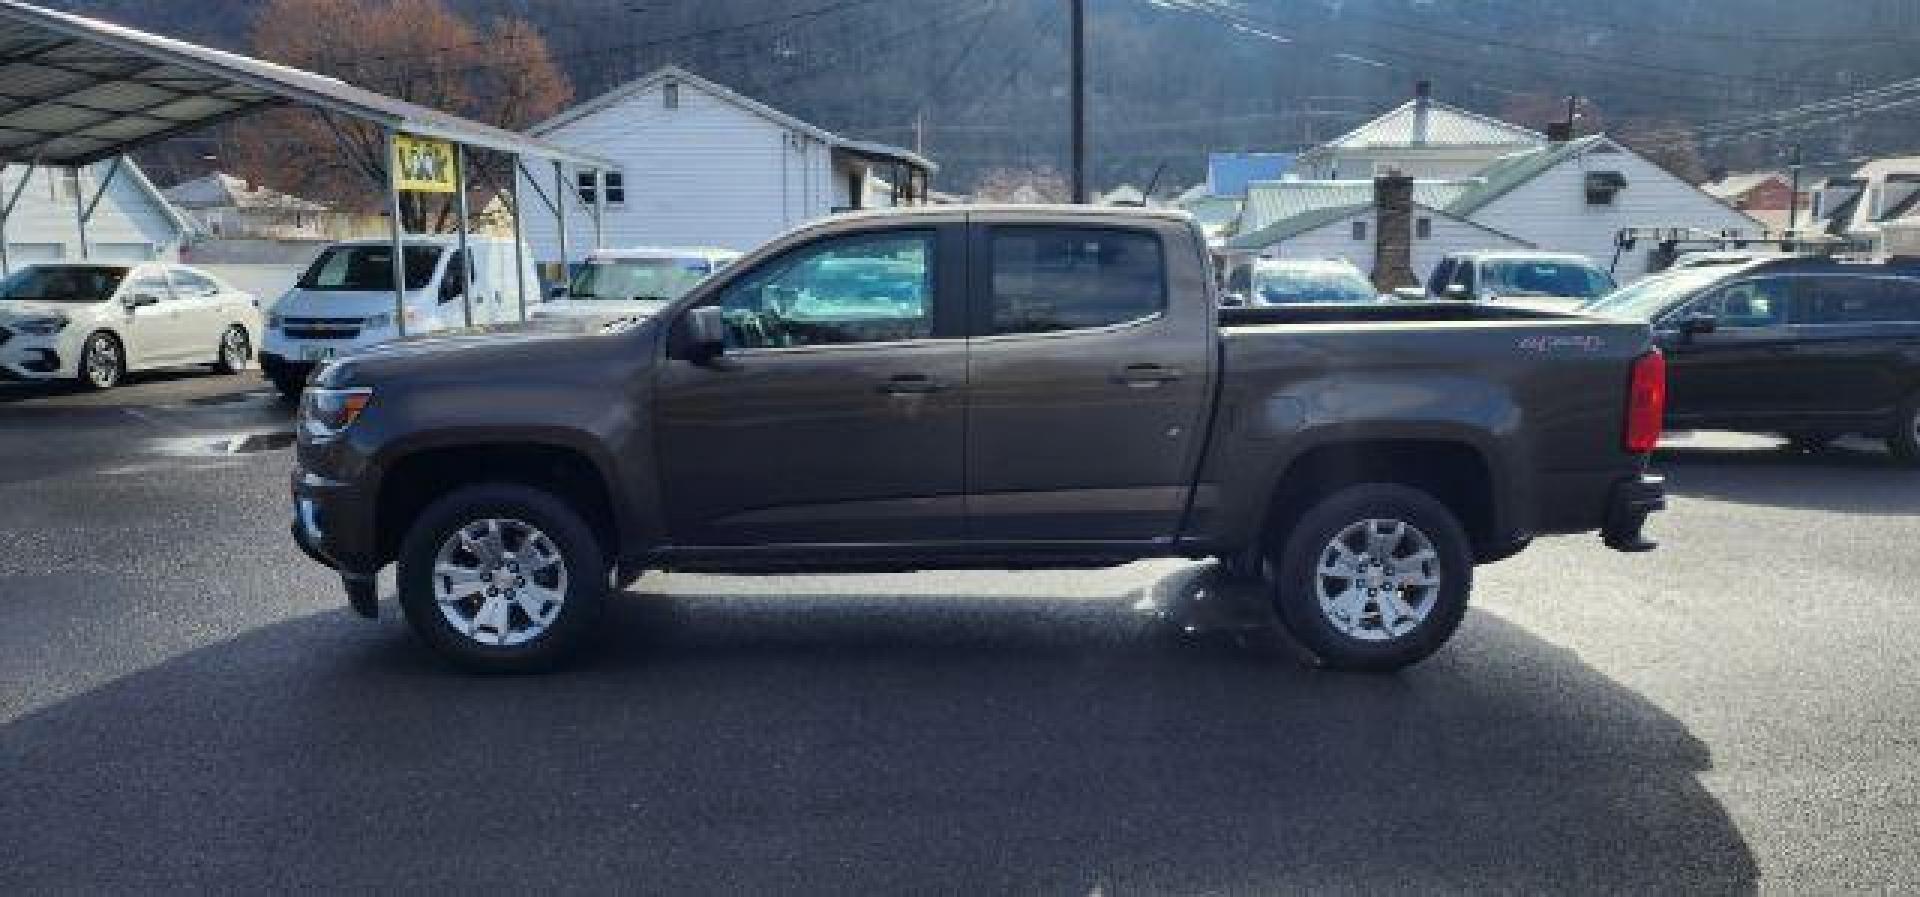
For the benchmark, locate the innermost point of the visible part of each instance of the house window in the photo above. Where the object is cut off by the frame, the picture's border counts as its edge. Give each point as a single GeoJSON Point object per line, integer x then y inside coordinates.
{"type": "Point", "coordinates": [66, 184]}
{"type": "Point", "coordinates": [1359, 230]}
{"type": "Point", "coordinates": [615, 184]}
{"type": "Point", "coordinates": [1603, 186]}
{"type": "Point", "coordinates": [1423, 228]}
{"type": "Point", "coordinates": [588, 184]}
{"type": "Point", "coordinates": [670, 94]}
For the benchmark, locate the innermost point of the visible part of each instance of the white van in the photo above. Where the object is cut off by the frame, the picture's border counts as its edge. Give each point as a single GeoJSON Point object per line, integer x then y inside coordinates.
{"type": "Point", "coordinates": [344, 301]}
{"type": "Point", "coordinates": [632, 283]}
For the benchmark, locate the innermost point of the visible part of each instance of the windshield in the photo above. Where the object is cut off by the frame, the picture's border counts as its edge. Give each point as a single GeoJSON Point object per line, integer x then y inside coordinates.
{"type": "Point", "coordinates": [1289, 286]}
{"type": "Point", "coordinates": [62, 283]}
{"type": "Point", "coordinates": [623, 279]}
{"type": "Point", "coordinates": [1573, 280]}
{"type": "Point", "coordinates": [1645, 300]}
{"type": "Point", "coordinates": [368, 268]}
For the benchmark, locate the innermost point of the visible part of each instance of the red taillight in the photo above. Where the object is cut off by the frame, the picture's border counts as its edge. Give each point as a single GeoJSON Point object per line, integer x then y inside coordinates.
{"type": "Point", "coordinates": [1646, 402]}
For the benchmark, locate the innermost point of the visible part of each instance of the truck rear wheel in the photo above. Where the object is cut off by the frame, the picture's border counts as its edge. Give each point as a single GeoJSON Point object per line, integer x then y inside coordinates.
{"type": "Point", "coordinates": [502, 578]}
{"type": "Point", "coordinates": [1375, 577]}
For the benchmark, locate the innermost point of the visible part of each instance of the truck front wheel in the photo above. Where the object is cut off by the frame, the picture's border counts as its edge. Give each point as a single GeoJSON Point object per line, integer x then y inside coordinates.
{"type": "Point", "coordinates": [502, 578]}
{"type": "Point", "coordinates": [1374, 577]}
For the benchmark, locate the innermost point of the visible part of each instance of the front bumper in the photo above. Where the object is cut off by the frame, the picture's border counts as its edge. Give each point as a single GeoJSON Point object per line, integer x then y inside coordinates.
{"type": "Point", "coordinates": [333, 525]}
{"type": "Point", "coordinates": [1628, 506]}
{"type": "Point", "coordinates": [279, 367]}
{"type": "Point", "coordinates": [27, 357]}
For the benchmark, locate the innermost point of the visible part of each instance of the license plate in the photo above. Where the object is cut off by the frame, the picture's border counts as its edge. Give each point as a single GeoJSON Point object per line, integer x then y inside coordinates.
{"type": "Point", "coordinates": [317, 353]}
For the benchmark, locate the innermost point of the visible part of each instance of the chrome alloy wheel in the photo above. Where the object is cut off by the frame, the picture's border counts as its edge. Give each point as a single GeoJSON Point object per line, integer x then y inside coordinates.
{"type": "Point", "coordinates": [1377, 580]}
{"type": "Point", "coordinates": [101, 361]}
{"type": "Point", "coordinates": [500, 581]}
{"type": "Point", "coordinates": [235, 351]}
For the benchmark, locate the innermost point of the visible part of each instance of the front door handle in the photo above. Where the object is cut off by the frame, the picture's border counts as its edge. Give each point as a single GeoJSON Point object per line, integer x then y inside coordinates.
{"type": "Point", "coordinates": [911, 385]}
{"type": "Point", "coordinates": [1147, 376]}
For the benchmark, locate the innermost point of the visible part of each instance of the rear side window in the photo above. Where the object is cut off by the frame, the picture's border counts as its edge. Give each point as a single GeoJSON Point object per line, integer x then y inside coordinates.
{"type": "Point", "coordinates": [1749, 304]}
{"type": "Point", "coordinates": [1049, 279]}
{"type": "Point", "coordinates": [1858, 300]}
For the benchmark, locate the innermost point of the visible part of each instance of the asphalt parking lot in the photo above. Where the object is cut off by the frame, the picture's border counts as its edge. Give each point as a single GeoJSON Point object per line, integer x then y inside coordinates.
{"type": "Point", "coordinates": [185, 703]}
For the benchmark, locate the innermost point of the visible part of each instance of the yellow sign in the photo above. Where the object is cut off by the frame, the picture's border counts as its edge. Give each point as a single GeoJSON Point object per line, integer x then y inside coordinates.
{"type": "Point", "coordinates": [424, 165]}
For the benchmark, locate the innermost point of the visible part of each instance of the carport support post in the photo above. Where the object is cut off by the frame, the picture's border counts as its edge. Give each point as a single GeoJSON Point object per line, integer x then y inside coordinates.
{"type": "Point", "coordinates": [560, 213]}
{"type": "Point", "coordinates": [80, 213]}
{"type": "Point", "coordinates": [393, 228]}
{"type": "Point", "coordinates": [466, 257]}
{"type": "Point", "coordinates": [6, 212]}
{"type": "Point", "coordinates": [519, 225]}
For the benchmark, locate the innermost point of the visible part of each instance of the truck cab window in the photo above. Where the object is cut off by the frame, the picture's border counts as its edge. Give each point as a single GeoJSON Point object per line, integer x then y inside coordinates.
{"type": "Point", "coordinates": [872, 288]}
{"type": "Point", "coordinates": [1057, 278]}
{"type": "Point", "coordinates": [1858, 300]}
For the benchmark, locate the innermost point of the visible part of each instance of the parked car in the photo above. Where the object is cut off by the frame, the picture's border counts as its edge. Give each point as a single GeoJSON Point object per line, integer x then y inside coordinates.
{"type": "Point", "coordinates": [1809, 348]}
{"type": "Point", "coordinates": [1537, 277]}
{"type": "Point", "coordinates": [1068, 395]}
{"type": "Point", "coordinates": [629, 283]}
{"type": "Point", "coordinates": [1291, 281]}
{"type": "Point", "coordinates": [345, 300]}
{"type": "Point", "coordinates": [95, 323]}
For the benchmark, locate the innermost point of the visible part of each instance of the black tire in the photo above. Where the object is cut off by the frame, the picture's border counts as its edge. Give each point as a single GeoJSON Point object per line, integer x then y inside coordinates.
{"type": "Point", "coordinates": [585, 565]}
{"type": "Point", "coordinates": [109, 376]}
{"type": "Point", "coordinates": [1905, 438]}
{"type": "Point", "coordinates": [1296, 589]}
{"type": "Point", "coordinates": [233, 358]}
{"type": "Point", "coordinates": [288, 385]}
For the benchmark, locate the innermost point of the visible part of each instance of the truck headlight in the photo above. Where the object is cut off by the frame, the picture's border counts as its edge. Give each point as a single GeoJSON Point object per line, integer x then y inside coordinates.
{"type": "Point", "coordinates": [41, 326]}
{"type": "Point", "coordinates": [326, 413]}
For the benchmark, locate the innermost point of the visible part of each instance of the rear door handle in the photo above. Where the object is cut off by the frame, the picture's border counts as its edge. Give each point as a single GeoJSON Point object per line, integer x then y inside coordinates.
{"type": "Point", "coordinates": [1147, 376]}
{"type": "Point", "coordinates": [911, 384]}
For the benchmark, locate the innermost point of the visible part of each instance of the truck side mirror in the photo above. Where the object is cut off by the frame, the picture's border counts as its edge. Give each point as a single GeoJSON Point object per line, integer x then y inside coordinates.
{"type": "Point", "coordinates": [1698, 325]}
{"type": "Point", "coordinates": [556, 293]}
{"type": "Point", "coordinates": [452, 285]}
{"type": "Point", "coordinates": [706, 333]}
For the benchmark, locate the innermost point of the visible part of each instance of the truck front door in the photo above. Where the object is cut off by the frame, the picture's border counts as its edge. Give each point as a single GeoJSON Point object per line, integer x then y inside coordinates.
{"type": "Point", "coordinates": [1089, 376]}
{"type": "Point", "coordinates": [837, 413]}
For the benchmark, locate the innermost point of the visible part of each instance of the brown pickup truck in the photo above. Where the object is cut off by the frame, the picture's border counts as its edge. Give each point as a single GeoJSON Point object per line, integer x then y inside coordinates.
{"type": "Point", "coordinates": [981, 387]}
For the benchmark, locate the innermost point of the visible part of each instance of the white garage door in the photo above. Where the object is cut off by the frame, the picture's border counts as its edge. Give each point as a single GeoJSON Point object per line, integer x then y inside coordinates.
{"type": "Point", "coordinates": [30, 253]}
{"type": "Point", "coordinates": [123, 252]}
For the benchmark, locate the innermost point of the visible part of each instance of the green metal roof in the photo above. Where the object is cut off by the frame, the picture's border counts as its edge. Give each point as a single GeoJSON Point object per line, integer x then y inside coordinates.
{"type": "Point", "coordinates": [1297, 224]}
{"type": "Point", "coordinates": [1509, 172]}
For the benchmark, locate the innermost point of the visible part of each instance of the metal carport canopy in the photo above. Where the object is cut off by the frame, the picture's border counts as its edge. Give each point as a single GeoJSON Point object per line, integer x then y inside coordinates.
{"type": "Point", "coordinates": [74, 91]}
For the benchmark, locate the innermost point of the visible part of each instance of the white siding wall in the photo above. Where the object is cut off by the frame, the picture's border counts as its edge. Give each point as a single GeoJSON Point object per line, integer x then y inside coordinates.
{"type": "Point", "coordinates": [708, 173]}
{"type": "Point", "coordinates": [1552, 212]}
{"type": "Point", "coordinates": [1336, 241]}
{"type": "Point", "coordinates": [128, 221]}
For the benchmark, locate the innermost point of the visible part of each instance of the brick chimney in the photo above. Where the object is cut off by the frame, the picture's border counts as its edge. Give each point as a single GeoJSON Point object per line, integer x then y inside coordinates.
{"type": "Point", "coordinates": [1422, 112]}
{"type": "Point", "coordinates": [1393, 232]}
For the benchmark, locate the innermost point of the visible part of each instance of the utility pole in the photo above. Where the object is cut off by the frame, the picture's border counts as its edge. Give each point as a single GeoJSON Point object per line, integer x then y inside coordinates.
{"type": "Point", "coordinates": [1794, 161]}
{"type": "Point", "coordinates": [1078, 69]}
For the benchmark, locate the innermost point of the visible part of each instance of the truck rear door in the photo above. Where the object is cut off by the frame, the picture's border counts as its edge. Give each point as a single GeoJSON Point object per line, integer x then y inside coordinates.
{"type": "Point", "coordinates": [1089, 374]}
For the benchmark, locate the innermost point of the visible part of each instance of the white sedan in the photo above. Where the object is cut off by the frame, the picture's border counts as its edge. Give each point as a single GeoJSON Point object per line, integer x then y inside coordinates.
{"type": "Point", "coordinates": [95, 323]}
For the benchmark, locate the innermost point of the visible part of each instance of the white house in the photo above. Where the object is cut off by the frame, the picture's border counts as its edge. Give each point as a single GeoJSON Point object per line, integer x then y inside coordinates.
{"type": "Point", "coordinates": [702, 165]}
{"type": "Point", "coordinates": [1421, 138]}
{"type": "Point", "coordinates": [132, 222]}
{"type": "Point", "coordinates": [1558, 196]}
{"type": "Point", "coordinates": [1861, 205]}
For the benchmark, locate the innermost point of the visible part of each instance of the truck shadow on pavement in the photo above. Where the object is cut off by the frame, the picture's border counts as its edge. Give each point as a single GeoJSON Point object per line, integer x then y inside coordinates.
{"type": "Point", "coordinates": [1844, 478]}
{"type": "Point", "coordinates": [830, 743]}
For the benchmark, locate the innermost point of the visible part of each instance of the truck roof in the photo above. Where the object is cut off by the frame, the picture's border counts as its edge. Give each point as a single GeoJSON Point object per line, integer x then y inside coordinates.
{"type": "Point", "coordinates": [1022, 209]}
